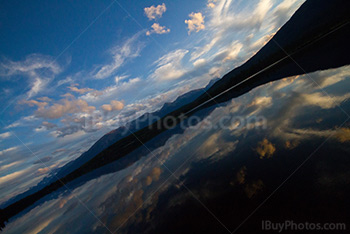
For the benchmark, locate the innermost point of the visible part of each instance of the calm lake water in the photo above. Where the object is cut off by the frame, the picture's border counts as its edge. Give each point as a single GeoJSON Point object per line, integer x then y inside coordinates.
{"type": "Point", "coordinates": [283, 148]}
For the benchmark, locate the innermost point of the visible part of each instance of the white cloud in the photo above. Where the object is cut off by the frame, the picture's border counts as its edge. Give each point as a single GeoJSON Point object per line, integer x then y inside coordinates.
{"type": "Point", "coordinates": [5, 135]}
{"type": "Point", "coordinates": [13, 176]}
{"type": "Point", "coordinates": [228, 52]}
{"type": "Point", "coordinates": [45, 126]}
{"type": "Point", "coordinates": [156, 28]}
{"type": "Point", "coordinates": [114, 91]}
{"type": "Point", "coordinates": [2, 152]}
{"type": "Point", "coordinates": [30, 65]}
{"type": "Point", "coordinates": [211, 5]}
{"type": "Point", "coordinates": [114, 106]}
{"type": "Point", "coordinates": [196, 23]}
{"type": "Point", "coordinates": [37, 85]}
{"type": "Point", "coordinates": [63, 107]}
{"type": "Point", "coordinates": [324, 101]}
{"type": "Point", "coordinates": [119, 78]}
{"type": "Point", "coordinates": [32, 103]}
{"type": "Point", "coordinates": [154, 102]}
{"type": "Point", "coordinates": [251, 25]}
{"type": "Point", "coordinates": [64, 81]}
{"type": "Point", "coordinates": [259, 43]}
{"type": "Point", "coordinates": [225, 17]}
{"type": "Point", "coordinates": [80, 91]}
{"type": "Point", "coordinates": [44, 99]}
{"type": "Point", "coordinates": [7, 166]}
{"type": "Point", "coordinates": [199, 62]}
{"type": "Point", "coordinates": [233, 51]}
{"type": "Point", "coordinates": [120, 54]}
{"type": "Point", "coordinates": [215, 147]}
{"type": "Point", "coordinates": [153, 12]}
{"type": "Point", "coordinates": [23, 121]}
{"type": "Point", "coordinates": [204, 49]}
{"type": "Point", "coordinates": [13, 125]}
{"type": "Point", "coordinates": [169, 67]}
{"type": "Point", "coordinates": [284, 11]}
{"type": "Point", "coordinates": [327, 78]}
{"type": "Point", "coordinates": [39, 68]}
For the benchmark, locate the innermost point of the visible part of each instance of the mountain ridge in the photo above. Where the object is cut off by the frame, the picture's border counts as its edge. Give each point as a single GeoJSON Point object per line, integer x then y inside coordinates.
{"type": "Point", "coordinates": [310, 50]}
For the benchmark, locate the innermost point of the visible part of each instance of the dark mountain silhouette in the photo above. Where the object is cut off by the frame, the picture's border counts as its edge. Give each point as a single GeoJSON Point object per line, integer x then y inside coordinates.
{"type": "Point", "coordinates": [141, 122]}
{"type": "Point", "coordinates": [315, 38]}
{"type": "Point", "coordinates": [112, 137]}
{"type": "Point", "coordinates": [317, 28]}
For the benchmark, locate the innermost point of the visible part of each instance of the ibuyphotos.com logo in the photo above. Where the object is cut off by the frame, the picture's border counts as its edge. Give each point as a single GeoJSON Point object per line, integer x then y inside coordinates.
{"type": "Point", "coordinates": [290, 225]}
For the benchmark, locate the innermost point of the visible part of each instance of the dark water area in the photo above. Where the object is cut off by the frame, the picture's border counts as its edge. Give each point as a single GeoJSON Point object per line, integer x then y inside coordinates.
{"type": "Point", "coordinates": [279, 152]}
{"type": "Point", "coordinates": [297, 48]}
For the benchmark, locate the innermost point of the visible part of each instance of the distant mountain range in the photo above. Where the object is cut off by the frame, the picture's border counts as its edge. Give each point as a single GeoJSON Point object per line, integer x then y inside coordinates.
{"type": "Point", "coordinates": [112, 137]}
{"type": "Point", "coordinates": [315, 38]}
{"type": "Point", "coordinates": [139, 123]}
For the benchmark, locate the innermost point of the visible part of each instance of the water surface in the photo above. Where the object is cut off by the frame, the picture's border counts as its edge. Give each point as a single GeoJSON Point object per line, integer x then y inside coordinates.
{"type": "Point", "coordinates": [291, 135]}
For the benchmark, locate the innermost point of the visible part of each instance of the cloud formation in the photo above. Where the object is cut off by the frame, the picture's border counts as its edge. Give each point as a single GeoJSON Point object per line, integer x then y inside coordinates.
{"type": "Point", "coordinates": [169, 67]}
{"type": "Point", "coordinates": [196, 23]}
{"type": "Point", "coordinates": [153, 12]}
{"type": "Point", "coordinates": [32, 103]}
{"type": "Point", "coordinates": [114, 106]}
{"type": "Point", "coordinates": [114, 91]}
{"type": "Point", "coordinates": [343, 134]}
{"type": "Point", "coordinates": [63, 107]}
{"type": "Point", "coordinates": [265, 149]}
{"type": "Point", "coordinates": [223, 18]}
{"type": "Point", "coordinates": [156, 28]}
{"type": "Point", "coordinates": [45, 126]}
{"type": "Point", "coordinates": [211, 3]}
{"type": "Point", "coordinates": [153, 176]}
{"type": "Point", "coordinates": [230, 53]}
{"type": "Point", "coordinates": [120, 54]}
{"type": "Point", "coordinates": [2, 152]}
{"type": "Point", "coordinates": [324, 101]}
{"type": "Point", "coordinates": [39, 68]}
{"type": "Point", "coordinates": [44, 99]}
{"type": "Point", "coordinates": [73, 88]}
{"type": "Point", "coordinates": [5, 135]}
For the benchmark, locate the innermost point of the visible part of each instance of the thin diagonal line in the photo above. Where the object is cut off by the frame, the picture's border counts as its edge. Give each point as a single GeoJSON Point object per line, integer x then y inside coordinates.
{"type": "Point", "coordinates": [115, 1]}
{"type": "Point", "coordinates": [182, 183]}
{"type": "Point", "coordinates": [268, 197]}
{"type": "Point", "coordinates": [77, 38]}
{"type": "Point", "coordinates": [266, 68]}
{"type": "Point", "coordinates": [213, 98]}
{"type": "Point", "coordinates": [159, 187]}
{"type": "Point", "coordinates": [290, 56]}
{"type": "Point", "coordinates": [234, 86]}
{"type": "Point", "coordinates": [137, 209]}
{"type": "Point", "coordinates": [80, 201]}
{"type": "Point", "coordinates": [138, 23]}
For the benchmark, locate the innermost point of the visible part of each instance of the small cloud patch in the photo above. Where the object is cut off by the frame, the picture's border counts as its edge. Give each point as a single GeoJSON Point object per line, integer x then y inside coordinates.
{"type": "Point", "coordinates": [154, 12]}
{"type": "Point", "coordinates": [156, 28]}
{"type": "Point", "coordinates": [265, 149]}
{"type": "Point", "coordinates": [195, 23]}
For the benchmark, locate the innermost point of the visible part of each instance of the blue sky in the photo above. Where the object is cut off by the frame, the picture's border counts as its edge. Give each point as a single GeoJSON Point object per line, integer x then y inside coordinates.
{"type": "Point", "coordinates": [71, 71]}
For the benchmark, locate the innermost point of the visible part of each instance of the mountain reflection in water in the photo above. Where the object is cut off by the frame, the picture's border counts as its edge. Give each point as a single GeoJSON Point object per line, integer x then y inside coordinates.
{"type": "Point", "coordinates": [230, 170]}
